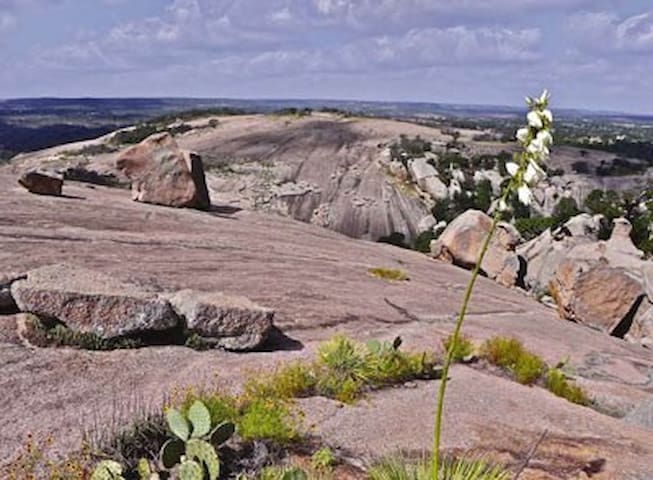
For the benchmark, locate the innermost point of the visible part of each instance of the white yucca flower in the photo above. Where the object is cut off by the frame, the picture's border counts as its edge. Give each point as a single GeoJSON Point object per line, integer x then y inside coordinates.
{"type": "Point", "coordinates": [536, 139]}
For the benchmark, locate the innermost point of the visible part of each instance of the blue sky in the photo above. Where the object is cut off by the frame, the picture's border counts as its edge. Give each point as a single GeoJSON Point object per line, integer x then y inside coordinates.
{"type": "Point", "coordinates": [595, 54]}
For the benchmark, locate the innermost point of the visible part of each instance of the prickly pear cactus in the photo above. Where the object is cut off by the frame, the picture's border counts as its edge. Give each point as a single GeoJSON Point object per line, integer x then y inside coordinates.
{"type": "Point", "coordinates": [200, 419]}
{"type": "Point", "coordinates": [171, 452]}
{"type": "Point", "coordinates": [190, 470]}
{"type": "Point", "coordinates": [178, 424]}
{"type": "Point", "coordinates": [204, 453]}
{"type": "Point", "coordinates": [222, 433]}
{"type": "Point", "coordinates": [107, 470]}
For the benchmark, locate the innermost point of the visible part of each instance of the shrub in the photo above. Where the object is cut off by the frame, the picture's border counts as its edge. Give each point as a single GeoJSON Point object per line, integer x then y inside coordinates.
{"type": "Point", "coordinates": [323, 459]}
{"type": "Point", "coordinates": [510, 354]}
{"type": "Point", "coordinates": [397, 239]}
{"type": "Point", "coordinates": [269, 419]}
{"type": "Point", "coordinates": [532, 227]}
{"type": "Point", "coordinates": [463, 348]}
{"type": "Point", "coordinates": [391, 274]}
{"type": "Point", "coordinates": [423, 241]}
{"type": "Point", "coordinates": [557, 383]}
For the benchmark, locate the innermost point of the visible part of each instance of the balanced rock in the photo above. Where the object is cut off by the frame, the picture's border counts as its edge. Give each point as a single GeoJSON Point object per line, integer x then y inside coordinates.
{"type": "Point", "coordinates": [163, 174]}
{"type": "Point", "coordinates": [91, 302]}
{"type": "Point", "coordinates": [426, 177]}
{"type": "Point", "coordinates": [42, 183]}
{"type": "Point", "coordinates": [230, 322]}
{"type": "Point", "coordinates": [462, 240]}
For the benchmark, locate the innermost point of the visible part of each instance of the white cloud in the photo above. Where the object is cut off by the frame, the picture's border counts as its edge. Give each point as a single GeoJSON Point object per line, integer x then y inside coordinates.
{"type": "Point", "coordinates": [605, 31]}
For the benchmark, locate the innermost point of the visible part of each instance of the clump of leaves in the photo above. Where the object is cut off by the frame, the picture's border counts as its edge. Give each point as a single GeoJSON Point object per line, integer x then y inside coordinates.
{"type": "Point", "coordinates": [391, 274]}
{"type": "Point", "coordinates": [463, 349]}
{"type": "Point", "coordinates": [558, 384]}
{"type": "Point", "coordinates": [269, 419]}
{"type": "Point", "coordinates": [323, 459]}
{"type": "Point", "coordinates": [509, 354]}
{"type": "Point", "coordinates": [398, 468]}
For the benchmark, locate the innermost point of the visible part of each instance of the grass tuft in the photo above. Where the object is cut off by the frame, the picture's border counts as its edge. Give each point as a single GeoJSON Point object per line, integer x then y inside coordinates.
{"type": "Point", "coordinates": [509, 354]}
{"type": "Point", "coordinates": [464, 348]}
{"type": "Point", "coordinates": [391, 274]}
{"type": "Point", "coordinates": [397, 468]}
{"type": "Point", "coordinates": [558, 384]}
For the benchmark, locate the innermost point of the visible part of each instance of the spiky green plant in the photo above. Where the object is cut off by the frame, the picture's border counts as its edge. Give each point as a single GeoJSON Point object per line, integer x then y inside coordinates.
{"type": "Point", "coordinates": [397, 468]}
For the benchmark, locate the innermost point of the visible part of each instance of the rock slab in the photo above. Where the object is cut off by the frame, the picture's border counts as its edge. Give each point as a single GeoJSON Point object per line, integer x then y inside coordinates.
{"type": "Point", "coordinates": [91, 302]}
{"type": "Point", "coordinates": [229, 322]}
{"type": "Point", "coordinates": [42, 183]}
{"type": "Point", "coordinates": [163, 174]}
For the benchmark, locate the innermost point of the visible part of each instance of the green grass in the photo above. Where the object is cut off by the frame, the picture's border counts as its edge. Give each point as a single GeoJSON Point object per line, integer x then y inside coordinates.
{"type": "Point", "coordinates": [397, 468]}
{"type": "Point", "coordinates": [509, 354]}
{"type": "Point", "coordinates": [557, 383]}
{"type": "Point", "coordinates": [343, 370]}
{"type": "Point", "coordinates": [391, 274]}
{"type": "Point", "coordinates": [463, 349]}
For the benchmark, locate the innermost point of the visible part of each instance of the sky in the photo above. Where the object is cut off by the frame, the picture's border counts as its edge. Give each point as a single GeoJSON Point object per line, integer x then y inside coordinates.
{"type": "Point", "coordinates": [594, 54]}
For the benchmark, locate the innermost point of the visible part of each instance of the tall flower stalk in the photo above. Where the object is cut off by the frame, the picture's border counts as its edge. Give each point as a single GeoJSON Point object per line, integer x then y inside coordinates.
{"type": "Point", "coordinates": [525, 171]}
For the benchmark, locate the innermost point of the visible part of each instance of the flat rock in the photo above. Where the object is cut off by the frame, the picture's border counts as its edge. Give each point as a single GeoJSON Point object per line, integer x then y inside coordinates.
{"type": "Point", "coordinates": [43, 183]}
{"type": "Point", "coordinates": [231, 322]}
{"type": "Point", "coordinates": [91, 302]}
{"type": "Point", "coordinates": [163, 174]}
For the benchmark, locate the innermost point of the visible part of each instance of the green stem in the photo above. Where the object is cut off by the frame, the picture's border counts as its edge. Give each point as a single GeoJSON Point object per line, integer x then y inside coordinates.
{"type": "Point", "coordinates": [456, 334]}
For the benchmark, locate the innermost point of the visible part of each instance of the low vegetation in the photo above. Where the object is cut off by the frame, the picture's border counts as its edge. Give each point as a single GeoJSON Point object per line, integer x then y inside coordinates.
{"type": "Point", "coordinates": [463, 349]}
{"type": "Point", "coordinates": [392, 274]}
{"type": "Point", "coordinates": [398, 468]}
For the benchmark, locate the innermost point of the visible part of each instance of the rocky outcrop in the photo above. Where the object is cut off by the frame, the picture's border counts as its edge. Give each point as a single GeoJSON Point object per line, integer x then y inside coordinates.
{"type": "Point", "coordinates": [163, 174]}
{"type": "Point", "coordinates": [601, 297]}
{"type": "Point", "coordinates": [426, 177]}
{"type": "Point", "coordinates": [544, 254]}
{"type": "Point", "coordinates": [91, 302]}
{"type": "Point", "coordinates": [232, 323]}
{"type": "Point", "coordinates": [602, 284]}
{"type": "Point", "coordinates": [462, 240]}
{"type": "Point", "coordinates": [42, 183]}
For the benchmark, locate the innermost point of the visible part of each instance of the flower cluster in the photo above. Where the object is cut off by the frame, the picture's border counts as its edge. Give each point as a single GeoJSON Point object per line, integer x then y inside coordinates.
{"type": "Point", "coordinates": [535, 139]}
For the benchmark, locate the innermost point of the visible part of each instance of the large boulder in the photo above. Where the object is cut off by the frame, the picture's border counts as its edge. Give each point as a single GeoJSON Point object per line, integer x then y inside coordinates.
{"type": "Point", "coordinates": [163, 174]}
{"type": "Point", "coordinates": [544, 253]}
{"type": "Point", "coordinates": [462, 240]}
{"type": "Point", "coordinates": [599, 296]}
{"type": "Point", "coordinates": [42, 183]}
{"type": "Point", "coordinates": [602, 284]}
{"type": "Point", "coordinates": [230, 322]}
{"type": "Point", "coordinates": [426, 177]}
{"type": "Point", "coordinates": [91, 302]}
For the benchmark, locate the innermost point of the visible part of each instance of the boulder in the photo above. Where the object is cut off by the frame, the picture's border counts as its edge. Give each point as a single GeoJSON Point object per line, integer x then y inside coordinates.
{"type": "Point", "coordinates": [42, 183]}
{"type": "Point", "coordinates": [544, 253]}
{"type": "Point", "coordinates": [7, 303]}
{"type": "Point", "coordinates": [163, 174]}
{"type": "Point", "coordinates": [91, 302]}
{"type": "Point", "coordinates": [426, 177]}
{"type": "Point", "coordinates": [462, 240]}
{"type": "Point", "coordinates": [230, 322]}
{"type": "Point", "coordinates": [597, 295]}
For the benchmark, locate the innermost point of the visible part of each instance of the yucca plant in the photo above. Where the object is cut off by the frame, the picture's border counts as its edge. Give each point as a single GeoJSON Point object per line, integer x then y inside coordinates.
{"type": "Point", "coordinates": [525, 172]}
{"type": "Point", "coordinates": [398, 468]}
